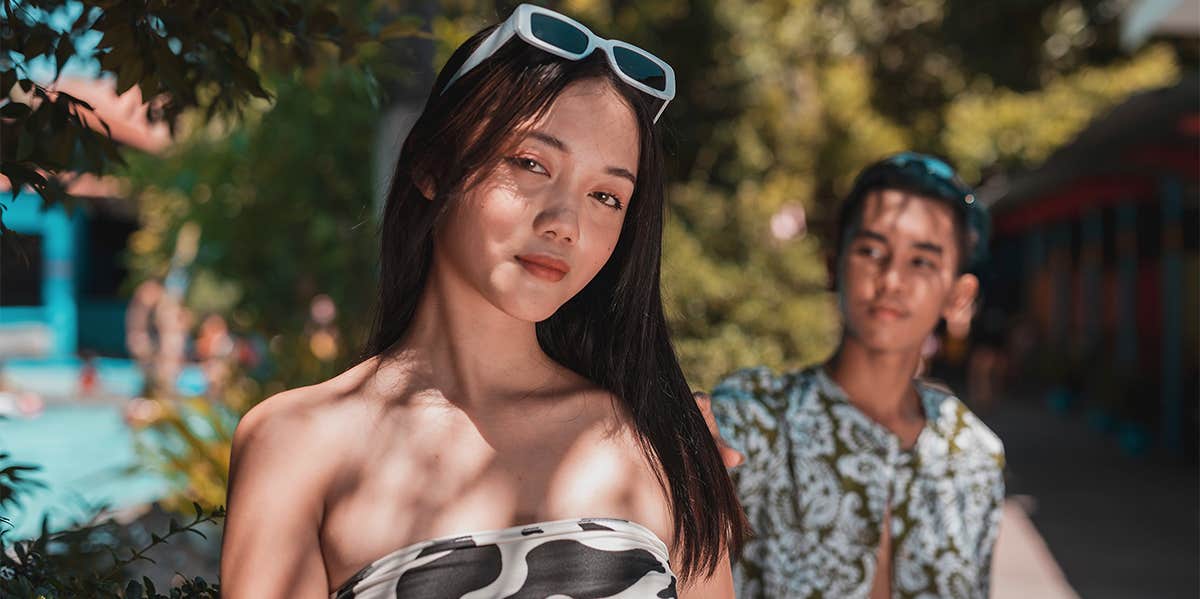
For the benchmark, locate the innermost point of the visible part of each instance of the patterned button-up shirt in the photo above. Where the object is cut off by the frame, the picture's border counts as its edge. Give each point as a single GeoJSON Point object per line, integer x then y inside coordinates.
{"type": "Point", "coordinates": [820, 475]}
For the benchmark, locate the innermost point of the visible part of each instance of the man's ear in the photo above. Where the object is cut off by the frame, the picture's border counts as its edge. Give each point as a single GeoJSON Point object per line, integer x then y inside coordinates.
{"type": "Point", "coordinates": [960, 306]}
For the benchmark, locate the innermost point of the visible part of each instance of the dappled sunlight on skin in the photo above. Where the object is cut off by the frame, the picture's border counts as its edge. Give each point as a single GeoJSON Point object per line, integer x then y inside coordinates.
{"type": "Point", "coordinates": [464, 424]}
{"type": "Point", "coordinates": [541, 199]}
{"type": "Point", "coordinates": [426, 467]}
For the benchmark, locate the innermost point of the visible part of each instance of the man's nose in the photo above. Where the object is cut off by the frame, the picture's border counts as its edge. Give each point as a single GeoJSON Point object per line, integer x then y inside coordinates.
{"type": "Point", "coordinates": [890, 277]}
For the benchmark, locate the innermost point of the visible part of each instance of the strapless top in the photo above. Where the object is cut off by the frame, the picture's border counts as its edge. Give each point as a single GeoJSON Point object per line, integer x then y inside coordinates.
{"type": "Point", "coordinates": [589, 557]}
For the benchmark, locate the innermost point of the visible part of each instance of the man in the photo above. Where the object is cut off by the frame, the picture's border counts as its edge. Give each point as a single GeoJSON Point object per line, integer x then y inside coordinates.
{"type": "Point", "coordinates": [858, 480]}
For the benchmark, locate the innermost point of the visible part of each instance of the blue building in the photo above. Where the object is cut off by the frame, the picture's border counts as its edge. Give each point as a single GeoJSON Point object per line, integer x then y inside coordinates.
{"type": "Point", "coordinates": [61, 270]}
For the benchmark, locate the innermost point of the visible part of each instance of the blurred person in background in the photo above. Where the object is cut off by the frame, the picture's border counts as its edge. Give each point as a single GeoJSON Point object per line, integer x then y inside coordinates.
{"type": "Point", "coordinates": [859, 479]}
{"type": "Point", "coordinates": [215, 352]}
{"type": "Point", "coordinates": [141, 334]}
{"type": "Point", "coordinates": [522, 426]}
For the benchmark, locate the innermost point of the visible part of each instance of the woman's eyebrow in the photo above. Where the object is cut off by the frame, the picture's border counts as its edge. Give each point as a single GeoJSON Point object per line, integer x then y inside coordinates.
{"type": "Point", "coordinates": [561, 146]}
{"type": "Point", "coordinates": [550, 140]}
{"type": "Point", "coordinates": [622, 172]}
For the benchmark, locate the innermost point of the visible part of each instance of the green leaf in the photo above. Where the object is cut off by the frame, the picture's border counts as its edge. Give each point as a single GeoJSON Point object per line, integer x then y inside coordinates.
{"type": "Point", "coordinates": [128, 76]}
{"type": "Point", "coordinates": [64, 146]}
{"type": "Point", "coordinates": [19, 174]}
{"type": "Point", "coordinates": [247, 78]}
{"type": "Point", "coordinates": [8, 79]}
{"type": "Point", "coordinates": [38, 42]}
{"type": "Point", "coordinates": [63, 53]}
{"type": "Point", "coordinates": [323, 21]}
{"type": "Point", "coordinates": [404, 27]}
{"type": "Point", "coordinates": [26, 144]}
{"type": "Point", "coordinates": [15, 110]}
{"type": "Point", "coordinates": [74, 100]}
{"type": "Point", "coordinates": [133, 590]}
{"type": "Point", "coordinates": [150, 589]}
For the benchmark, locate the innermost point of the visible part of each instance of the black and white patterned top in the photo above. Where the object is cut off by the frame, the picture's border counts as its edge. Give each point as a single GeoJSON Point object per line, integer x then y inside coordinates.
{"type": "Point", "coordinates": [577, 559]}
{"type": "Point", "coordinates": [820, 475]}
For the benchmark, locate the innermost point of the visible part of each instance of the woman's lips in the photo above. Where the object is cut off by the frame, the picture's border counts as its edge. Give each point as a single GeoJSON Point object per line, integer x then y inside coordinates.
{"type": "Point", "coordinates": [544, 267]}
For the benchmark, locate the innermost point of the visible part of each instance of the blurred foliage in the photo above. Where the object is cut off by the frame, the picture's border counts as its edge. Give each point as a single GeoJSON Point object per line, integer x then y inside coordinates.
{"type": "Point", "coordinates": [16, 479]}
{"type": "Point", "coordinates": [284, 209]}
{"type": "Point", "coordinates": [189, 440]}
{"type": "Point", "coordinates": [783, 101]}
{"type": "Point", "coordinates": [985, 128]}
{"type": "Point", "coordinates": [780, 103]}
{"type": "Point", "coordinates": [203, 59]}
{"type": "Point", "coordinates": [283, 201]}
{"type": "Point", "coordinates": [95, 560]}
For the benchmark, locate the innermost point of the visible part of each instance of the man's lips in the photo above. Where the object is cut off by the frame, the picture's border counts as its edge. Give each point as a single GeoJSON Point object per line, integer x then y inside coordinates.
{"type": "Point", "coordinates": [544, 267]}
{"type": "Point", "coordinates": [887, 312]}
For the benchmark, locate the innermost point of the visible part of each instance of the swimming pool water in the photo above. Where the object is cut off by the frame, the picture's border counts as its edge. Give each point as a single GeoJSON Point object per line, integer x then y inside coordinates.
{"type": "Point", "coordinates": [87, 458]}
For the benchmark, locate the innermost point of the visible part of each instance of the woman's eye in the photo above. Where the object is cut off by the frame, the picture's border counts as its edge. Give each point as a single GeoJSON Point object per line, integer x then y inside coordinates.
{"type": "Point", "coordinates": [608, 199]}
{"type": "Point", "coordinates": [867, 251]}
{"type": "Point", "coordinates": [528, 164]}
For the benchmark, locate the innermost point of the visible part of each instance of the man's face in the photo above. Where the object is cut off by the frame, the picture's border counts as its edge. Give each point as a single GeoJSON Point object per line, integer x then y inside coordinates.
{"type": "Point", "coordinates": [898, 272]}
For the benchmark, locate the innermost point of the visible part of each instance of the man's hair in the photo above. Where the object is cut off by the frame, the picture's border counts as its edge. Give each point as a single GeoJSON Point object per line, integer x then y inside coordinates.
{"type": "Point", "coordinates": [970, 221]}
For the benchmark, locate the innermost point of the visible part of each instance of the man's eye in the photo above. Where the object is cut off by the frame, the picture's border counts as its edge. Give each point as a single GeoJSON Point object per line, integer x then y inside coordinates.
{"type": "Point", "coordinates": [608, 199]}
{"type": "Point", "coordinates": [924, 263]}
{"type": "Point", "coordinates": [528, 164]}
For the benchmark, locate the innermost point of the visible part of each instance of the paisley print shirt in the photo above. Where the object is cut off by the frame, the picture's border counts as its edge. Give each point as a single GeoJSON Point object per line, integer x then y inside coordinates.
{"type": "Point", "coordinates": [819, 476]}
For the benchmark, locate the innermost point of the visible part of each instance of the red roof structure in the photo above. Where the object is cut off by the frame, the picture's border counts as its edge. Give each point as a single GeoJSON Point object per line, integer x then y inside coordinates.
{"type": "Point", "coordinates": [125, 116]}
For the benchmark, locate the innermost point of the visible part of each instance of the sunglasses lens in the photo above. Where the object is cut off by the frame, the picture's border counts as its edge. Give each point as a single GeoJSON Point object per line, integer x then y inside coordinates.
{"type": "Point", "coordinates": [640, 69]}
{"type": "Point", "coordinates": [558, 33]}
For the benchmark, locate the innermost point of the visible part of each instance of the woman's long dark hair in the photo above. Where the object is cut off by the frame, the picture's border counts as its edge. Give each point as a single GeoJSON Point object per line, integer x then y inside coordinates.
{"type": "Point", "coordinates": [614, 331]}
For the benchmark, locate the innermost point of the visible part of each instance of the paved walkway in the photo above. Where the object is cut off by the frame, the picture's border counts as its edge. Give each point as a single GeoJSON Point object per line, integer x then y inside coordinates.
{"type": "Point", "coordinates": [1116, 526]}
{"type": "Point", "coordinates": [1022, 567]}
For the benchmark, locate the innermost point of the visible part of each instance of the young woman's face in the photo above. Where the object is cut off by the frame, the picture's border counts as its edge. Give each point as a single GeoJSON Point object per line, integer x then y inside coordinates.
{"type": "Point", "coordinates": [535, 230]}
{"type": "Point", "coordinates": [899, 272]}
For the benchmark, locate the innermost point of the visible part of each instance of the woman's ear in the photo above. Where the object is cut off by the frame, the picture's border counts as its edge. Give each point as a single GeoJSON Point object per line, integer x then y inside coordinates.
{"type": "Point", "coordinates": [424, 184]}
{"type": "Point", "coordinates": [960, 306]}
{"type": "Point", "coordinates": [427, 188]}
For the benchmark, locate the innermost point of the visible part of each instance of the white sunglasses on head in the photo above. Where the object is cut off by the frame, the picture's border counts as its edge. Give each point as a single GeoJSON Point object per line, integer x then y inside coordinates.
{"type": "Point", "coordinates": [563, 36]}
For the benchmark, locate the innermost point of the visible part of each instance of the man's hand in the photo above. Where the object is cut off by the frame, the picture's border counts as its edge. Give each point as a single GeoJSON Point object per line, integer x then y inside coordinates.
{"type": "Point", "coordinates": [730, 456]}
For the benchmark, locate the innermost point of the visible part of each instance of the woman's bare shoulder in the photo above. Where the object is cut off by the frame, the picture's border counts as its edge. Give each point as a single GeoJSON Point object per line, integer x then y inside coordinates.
{"type": "Point", "coordinates": [314, 421]}
{"type": "Point", "coordinates": [288, 452]}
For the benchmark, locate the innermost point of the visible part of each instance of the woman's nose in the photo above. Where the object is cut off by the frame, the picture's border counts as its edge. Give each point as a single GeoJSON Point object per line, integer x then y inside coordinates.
{"type": "Point", "coordinates": [558, 219]}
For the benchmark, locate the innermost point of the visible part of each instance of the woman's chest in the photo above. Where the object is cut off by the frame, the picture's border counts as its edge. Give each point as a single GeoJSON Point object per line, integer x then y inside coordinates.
{"type": "Point", "coordinates": [459, 482]}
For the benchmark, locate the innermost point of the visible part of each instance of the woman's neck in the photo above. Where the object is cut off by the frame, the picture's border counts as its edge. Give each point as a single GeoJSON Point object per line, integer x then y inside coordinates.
{"type": "Point", "coordinates": [468, 349]}
{"type": "Point", "coordinates": [878, 383]}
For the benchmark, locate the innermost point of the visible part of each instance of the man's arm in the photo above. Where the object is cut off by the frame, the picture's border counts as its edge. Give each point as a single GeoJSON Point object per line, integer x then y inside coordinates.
{"type": "Point", "coordinates": [742, 412]}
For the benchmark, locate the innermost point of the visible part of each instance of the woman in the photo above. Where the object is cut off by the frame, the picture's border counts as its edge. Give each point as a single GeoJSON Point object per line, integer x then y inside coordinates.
{"type": "Point", "coordinates": [521, 381]}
